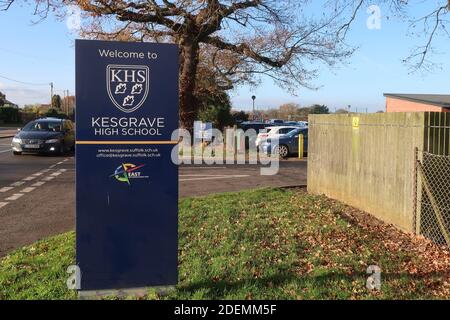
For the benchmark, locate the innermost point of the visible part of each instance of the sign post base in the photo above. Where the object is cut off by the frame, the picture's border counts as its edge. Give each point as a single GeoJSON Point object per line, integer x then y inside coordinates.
{"type": "Point", "coordinates": [122, 293]}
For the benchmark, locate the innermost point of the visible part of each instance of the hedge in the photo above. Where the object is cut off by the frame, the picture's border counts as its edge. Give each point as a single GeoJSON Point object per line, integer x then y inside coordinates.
{"type": "Point", "coordinates": [55, 113]}
{"type": "Point", "coordinates": [9, 115]}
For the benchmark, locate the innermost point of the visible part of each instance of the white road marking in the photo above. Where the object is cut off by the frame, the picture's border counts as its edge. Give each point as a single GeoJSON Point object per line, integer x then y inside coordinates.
{"type": "Point", "coordinates": [17, 184]}
{"type": "Point", "coordinates": [6, 189]}
{"type": "Point", "coordinates": [55, 174]}
{"type": "Point", "coordinates": [38, 184]}
{"type": "Point", "coordinates": [45, 170]}
{"type": "Point", "coordinates": [15, 196]}
{"type": "Point", "coordinates": [29, 178]}
{"type": "Point", "coordinates": [52, 166]}
{"type": "Point", "coordinates": [202, 175]}
{"type": "Point", "coordinates": [188, 167]}
{"type": "Point", "coordinates": [4, 151]}
{"type": "Point", "coordinates": [59, 163]}
{"type": "Point", "coordinates": [2, 204]}
{"type": "Point", "coordinates": [48, 178]}
{"type": "Point", "coordinates": [63, 170]}
{"type": "Point", "coordinates": [37, 174]}
{"type": "Point", "coordinates": [214, 178]}
{"type": "Point", "coordinates": [29, 189]}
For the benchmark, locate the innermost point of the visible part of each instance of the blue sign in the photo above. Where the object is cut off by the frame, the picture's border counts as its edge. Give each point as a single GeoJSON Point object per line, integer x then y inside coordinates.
{"type": "Point", "coordinates": [126, 182]}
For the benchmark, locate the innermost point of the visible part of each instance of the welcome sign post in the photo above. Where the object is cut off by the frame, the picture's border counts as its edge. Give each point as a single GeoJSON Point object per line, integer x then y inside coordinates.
{"type": "Point", "coordinates": [126, 182]}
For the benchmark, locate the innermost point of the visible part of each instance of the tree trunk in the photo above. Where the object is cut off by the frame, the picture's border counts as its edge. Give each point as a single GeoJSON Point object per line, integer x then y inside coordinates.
{"type": "Point", "coordinates": [188, 102]}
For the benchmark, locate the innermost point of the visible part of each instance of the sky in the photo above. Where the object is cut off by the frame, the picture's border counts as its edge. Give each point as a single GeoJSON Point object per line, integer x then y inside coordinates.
{"type": "Point", "coordinates": [37, 54]}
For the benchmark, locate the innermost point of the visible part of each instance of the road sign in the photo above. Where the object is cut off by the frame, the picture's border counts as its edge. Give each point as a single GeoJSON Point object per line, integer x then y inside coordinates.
{"type": "Point", "coordinates": [126, 182]}
{"type": "Point", "coordinates": [355, 122]}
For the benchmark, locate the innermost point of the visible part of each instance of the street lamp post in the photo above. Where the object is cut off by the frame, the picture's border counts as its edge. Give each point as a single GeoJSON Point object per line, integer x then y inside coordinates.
{"type": "Point", "coordinates": [253, 98]}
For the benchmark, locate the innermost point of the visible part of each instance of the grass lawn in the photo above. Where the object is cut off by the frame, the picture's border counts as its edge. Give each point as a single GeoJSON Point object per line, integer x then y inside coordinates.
{"type": "Point", "coordinates": [262, 244]}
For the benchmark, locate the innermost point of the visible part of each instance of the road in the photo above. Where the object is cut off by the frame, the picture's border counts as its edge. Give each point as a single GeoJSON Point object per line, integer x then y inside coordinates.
{"type": "Point", "coordinates": [37, 196]}
{"type": "Point", "coordinates": [7, 132]}
{"type": "Point", "coordinates": [202, 180]}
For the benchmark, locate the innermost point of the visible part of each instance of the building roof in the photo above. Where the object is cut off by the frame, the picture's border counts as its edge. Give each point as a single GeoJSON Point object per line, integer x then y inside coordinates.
{"type": "Point", "coordinates": [440, 100]}
{"type": "Point", "coordinates": [10, 103]}
{"type": "Point", "coordinates": [5, 102]}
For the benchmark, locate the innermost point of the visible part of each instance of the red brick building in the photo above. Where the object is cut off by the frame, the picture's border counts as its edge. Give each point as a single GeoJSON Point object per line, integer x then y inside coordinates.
{"type": "Point", "coordinates": [417, 102]}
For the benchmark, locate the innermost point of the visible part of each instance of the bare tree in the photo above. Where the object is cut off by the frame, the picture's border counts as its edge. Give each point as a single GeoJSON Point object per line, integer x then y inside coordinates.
{"type": "Point", "coordinates": [237, 40]}
{"type": "Point", "coordinates": [225, 42]}
{"type": "Point", "coordinates": [427, 25]}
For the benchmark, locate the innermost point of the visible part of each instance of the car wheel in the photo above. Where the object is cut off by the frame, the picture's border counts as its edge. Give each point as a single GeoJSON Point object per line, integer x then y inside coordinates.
{"type": "Point", "coordinates": [17, 153]}
{"type": "Point", "coordinates": [281, 151]}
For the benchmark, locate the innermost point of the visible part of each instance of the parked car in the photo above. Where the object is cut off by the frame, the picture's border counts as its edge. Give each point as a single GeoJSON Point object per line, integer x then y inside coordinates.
{"type": "Point", "coordinates": [286, 144]}
{"type": "Point", "coordinates": [276, 121]}
{"type": "Point", "coordinates": [272, 132]}
{"type": "Point", "coordinates": [291, 123]}
{"type": "Point", "coordinates": [255, 125]}
{"type": "Point", "coordinates": [296, 123]}
{"type": "Point", "coordinates": [45, 135]}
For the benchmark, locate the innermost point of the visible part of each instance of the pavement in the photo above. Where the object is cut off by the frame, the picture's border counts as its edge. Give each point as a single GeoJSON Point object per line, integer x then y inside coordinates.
{"type": "Point", "coordinates": [37, 193]}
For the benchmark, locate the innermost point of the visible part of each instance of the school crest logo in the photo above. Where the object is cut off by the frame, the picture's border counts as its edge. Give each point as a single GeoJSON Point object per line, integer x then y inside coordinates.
{"type": "Point", "coordinates": [128, 86]}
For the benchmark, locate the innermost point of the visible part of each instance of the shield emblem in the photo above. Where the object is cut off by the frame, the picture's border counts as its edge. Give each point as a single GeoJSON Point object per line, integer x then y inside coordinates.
{"type": "Point", "coordinates": [128, 86]}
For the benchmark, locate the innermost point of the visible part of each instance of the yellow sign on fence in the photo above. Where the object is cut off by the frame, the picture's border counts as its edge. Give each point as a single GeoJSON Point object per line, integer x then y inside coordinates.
{"type": "Point", "coordinates": [355, 122]}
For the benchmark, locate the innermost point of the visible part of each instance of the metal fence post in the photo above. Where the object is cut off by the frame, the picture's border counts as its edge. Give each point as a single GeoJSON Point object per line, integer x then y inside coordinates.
{"type": "Point", "coordinates": [418, 187]}
{"type": "Point", "coordinates": [416, 218]}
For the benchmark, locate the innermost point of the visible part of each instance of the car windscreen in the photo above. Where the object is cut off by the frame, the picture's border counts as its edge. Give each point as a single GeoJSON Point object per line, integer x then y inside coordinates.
{"type": "Point", "coordinates": [52, 126]}
{"type": "Point", "coordinates": [285, 130]}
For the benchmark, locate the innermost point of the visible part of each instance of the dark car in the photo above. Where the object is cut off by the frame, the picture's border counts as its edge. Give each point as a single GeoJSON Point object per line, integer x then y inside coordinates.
{"type": "Point", "coordinates": [255, 125]}
{"type": "Point", "coordinates": [286, 144]}
{"type": "Point", "coordinates": [45, 135]}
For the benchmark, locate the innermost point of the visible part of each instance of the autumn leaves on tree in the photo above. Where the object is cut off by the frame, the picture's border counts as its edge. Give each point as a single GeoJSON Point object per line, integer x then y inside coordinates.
{"type": "Point", "coordinates": [228, 42]}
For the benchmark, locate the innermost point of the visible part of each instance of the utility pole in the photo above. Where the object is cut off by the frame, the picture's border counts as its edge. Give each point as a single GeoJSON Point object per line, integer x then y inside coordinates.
{"type": "Point", "coordinates": [51, 93]}
{"type": "Point", "coordinates": [67, 103]}
{"type": "Point", "coordinates": [63, 102]}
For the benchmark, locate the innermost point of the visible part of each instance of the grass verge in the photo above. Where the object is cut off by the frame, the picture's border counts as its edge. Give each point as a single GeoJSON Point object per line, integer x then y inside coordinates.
{"type": "Point", "coordinates": [262, 244]}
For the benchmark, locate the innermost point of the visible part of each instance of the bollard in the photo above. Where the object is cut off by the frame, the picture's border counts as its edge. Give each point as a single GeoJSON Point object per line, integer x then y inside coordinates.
{"type": "Point", "coordinates": [300, 146]}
